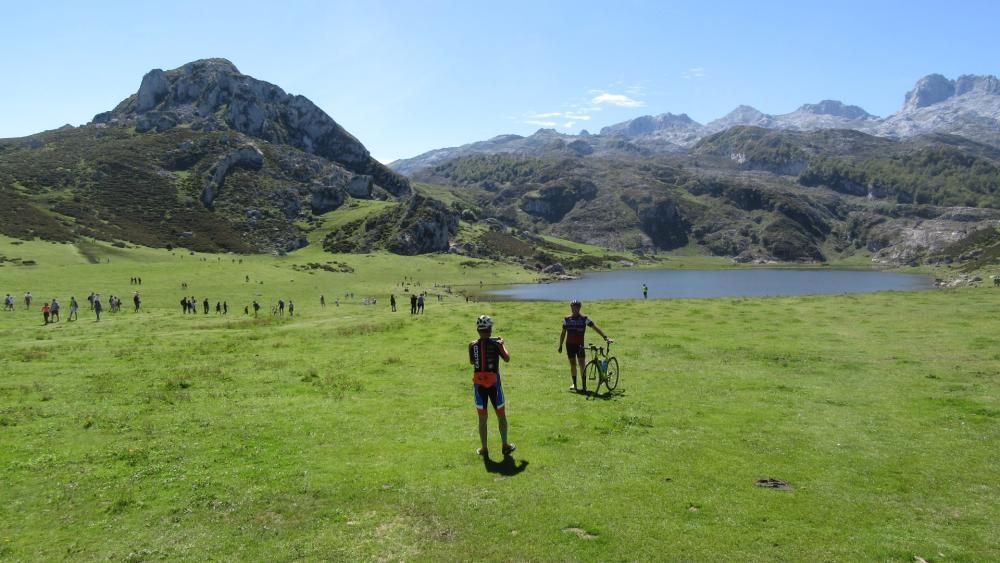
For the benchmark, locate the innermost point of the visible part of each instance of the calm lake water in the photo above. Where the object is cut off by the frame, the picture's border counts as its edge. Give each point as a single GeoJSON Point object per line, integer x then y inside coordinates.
{"type": "Point", "coordinates": [627, 284]}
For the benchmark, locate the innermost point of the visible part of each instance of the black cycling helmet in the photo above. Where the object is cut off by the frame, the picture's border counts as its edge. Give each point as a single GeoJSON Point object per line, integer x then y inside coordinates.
{"type": "Point", "coordinates": [575, 302]}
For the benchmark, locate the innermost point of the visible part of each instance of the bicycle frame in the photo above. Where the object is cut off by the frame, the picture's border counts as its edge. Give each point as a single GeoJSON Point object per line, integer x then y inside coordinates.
{"type": "Point", "coordinates": [601, 357]}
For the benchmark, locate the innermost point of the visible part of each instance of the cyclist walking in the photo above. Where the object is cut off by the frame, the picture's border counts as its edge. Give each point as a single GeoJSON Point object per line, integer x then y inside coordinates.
{"type": "Point", "coordinates": [485, 355]}
{"type": "Point", "coordinates": [573, 328]}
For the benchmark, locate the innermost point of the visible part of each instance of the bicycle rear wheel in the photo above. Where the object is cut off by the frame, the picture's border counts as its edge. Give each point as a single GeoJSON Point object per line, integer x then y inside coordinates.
{"type": "Point", "coordinates": [612, 376]}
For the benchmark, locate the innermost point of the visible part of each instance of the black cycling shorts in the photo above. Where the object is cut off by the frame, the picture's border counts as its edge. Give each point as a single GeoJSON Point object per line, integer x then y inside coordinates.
{"type": "Point", "coordinates": [576, 351]}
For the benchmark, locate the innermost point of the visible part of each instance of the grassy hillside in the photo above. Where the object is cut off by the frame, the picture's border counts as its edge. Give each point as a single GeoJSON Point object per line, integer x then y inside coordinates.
{"type": "Point", "coordinates": [114, 184]}
{"type": "Point", "coordinates": [347, 432]}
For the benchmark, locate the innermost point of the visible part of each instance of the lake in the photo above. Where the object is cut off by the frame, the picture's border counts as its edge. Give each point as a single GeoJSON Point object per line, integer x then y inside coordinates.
{"type": "Point", "coordinates": [627, 284]}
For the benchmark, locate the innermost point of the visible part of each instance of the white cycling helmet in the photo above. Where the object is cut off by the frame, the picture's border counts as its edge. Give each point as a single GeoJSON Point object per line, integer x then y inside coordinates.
{"type": "Point", "coordinates": [484, 322]}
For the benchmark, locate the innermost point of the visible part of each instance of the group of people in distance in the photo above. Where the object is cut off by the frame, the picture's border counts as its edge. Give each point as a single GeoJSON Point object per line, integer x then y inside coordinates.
{"type": "Point", "coordinates": [485, 354]}
{"type": "Point", "coordinates": [52, 310]}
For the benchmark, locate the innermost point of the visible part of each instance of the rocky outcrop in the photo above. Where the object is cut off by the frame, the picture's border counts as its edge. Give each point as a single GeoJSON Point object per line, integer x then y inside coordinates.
{"type": "Point", "coordinates": [665, 224]}
{"type": "Point", "coordinates": [152, 90]}
{"type": "Point", "coordinates": [555, 199]}
{"type": "Point", "coordinates": [836, 109]}
{"type": "Point", "coordinates": [360, 187]}
{"type": "Point", "coordinates": [425, 226]}
{"type": "Point", "coordinates": [929, 90]}
{"type": "Point", "coordinates": [652, 124]}
{"type": "Point", "coordinates": [417, 226]}
{"type": "Point", "coordinates": [248, 157]}
{"type": "Point", "coordinates": [908, 240]}
{"type": "Point", "coordinates": [212, 93]}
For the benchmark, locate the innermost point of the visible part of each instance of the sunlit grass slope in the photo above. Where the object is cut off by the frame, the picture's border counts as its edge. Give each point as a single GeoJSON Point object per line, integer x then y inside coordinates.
{"type": "Point", "coordinates": [347, 432]}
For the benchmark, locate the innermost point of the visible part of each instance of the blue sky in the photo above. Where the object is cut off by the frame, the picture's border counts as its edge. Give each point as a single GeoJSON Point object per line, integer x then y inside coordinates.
{"type": "Point", "coordinates": [407, 77]}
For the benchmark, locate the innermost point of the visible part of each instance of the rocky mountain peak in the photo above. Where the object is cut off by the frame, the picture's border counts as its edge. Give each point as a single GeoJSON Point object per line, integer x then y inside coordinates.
{"type": "Point", "coordinates": [212, 94]}
{"type": "Point", "coordinates": [650, 124]}
{"type": "Point", "coordinates": [929, 90]}
{"type": "Point", "coordinates": [836, 109]}
{"type": "Point", "coordinates": [934, 89]}
{"type": "Point", "coordinates": [744, 111]}
{"type": "Point", "coordinates": [973, 84]}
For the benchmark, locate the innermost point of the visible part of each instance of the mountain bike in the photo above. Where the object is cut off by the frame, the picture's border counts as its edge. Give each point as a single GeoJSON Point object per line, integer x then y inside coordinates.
{"type": "Point", "coordinates": [603, 368]}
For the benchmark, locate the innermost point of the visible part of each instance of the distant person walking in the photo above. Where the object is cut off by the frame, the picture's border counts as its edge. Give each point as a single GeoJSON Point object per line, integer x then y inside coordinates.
{"type": "Point", "coordinates": [54, 310]}
{"type": "Point", "coordinates": [205, 305]}
{"type": "Point", "coordinates": [413, 304]}
{"type": "Point", "coordinates": [392, 302]}
{"type": "Point", "coordinates": [27, 300]}
{"type": "Point", "coordinates": [256, 307]}
{"type": "Point", "coordinates": [420, 304]}
{"type": "Point", "coordinates": [97, 306]}
{"type": "Point", "coordinates": [8, 302]}
{"type": "Point", "coordinates": [73, 307]}
{"type": "Point", "coordinates": [645, 291]}
{"type": "Point", "coordinates": [291, 308]}
{"type": "Point", "coordinates": [45, 313]}
{"type": "Point", "coordinates": [137, 301]}
{"type": "Point", "coordinates": [225, 308]}
{"type": "Point", "coordinates": [573, 329]}
{"type": "Point", "coordinates": [218, 307]}
{"type": "Point", "coordinates": [322, 301]}
{"type": "Point", "coordinates": [281, 307]}
{"type": "Point", "coordinates": [485, 354]}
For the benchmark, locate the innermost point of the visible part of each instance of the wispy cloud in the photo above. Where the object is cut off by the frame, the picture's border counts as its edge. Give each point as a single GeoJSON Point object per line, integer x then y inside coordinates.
{"type": "Point", "coordinates": [693, 73]}
{"type": "Point", "coordinates": [541, 123]}
{"type": "Point", "coordinates": [582, 109]}
{"type": "Point", "coordinates": [620, 100]}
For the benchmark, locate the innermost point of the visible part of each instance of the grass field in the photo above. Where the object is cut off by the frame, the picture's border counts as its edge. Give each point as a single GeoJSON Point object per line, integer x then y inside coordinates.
{"type": "Point", "coordinates": [348, 433]}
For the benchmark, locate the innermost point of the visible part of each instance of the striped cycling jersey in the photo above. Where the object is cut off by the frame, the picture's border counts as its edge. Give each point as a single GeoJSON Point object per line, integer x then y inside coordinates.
{"type": "Point", "coordinates": [575, 327]}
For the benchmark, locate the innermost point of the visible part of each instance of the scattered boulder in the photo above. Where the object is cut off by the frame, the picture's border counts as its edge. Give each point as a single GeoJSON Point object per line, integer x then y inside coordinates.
{"type": "Point", "coordinates": [360, 187]}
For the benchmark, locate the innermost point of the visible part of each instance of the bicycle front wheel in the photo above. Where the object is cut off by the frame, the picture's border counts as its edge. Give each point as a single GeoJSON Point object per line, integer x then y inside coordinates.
{"type": "Point", "coordinates": [593, 372]}
{"type": "Point", "coordinates": [613, 373]}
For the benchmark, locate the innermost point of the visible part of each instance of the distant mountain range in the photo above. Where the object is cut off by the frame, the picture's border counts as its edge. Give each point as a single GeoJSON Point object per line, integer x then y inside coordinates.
{"type": "Point", "coordinates": [968, 106]}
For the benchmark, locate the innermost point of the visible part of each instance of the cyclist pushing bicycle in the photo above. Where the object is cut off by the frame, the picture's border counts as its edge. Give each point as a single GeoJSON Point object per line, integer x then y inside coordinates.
{"type": "Point", "coordinates": [573, 329]}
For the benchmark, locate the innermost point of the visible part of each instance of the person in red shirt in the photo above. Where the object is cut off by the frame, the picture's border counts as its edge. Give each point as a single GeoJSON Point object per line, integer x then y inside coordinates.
{"type": "Point", "coordinates": [45, 312]}
{"type": "Point", "coordinates": [485, 355]}
{"type": "Point", "coordinates": [573, 328]}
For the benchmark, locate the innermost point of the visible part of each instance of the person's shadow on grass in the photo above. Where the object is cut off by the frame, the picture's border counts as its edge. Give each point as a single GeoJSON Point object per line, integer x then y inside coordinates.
{"type": "Point", "coordinates": [508, 467]}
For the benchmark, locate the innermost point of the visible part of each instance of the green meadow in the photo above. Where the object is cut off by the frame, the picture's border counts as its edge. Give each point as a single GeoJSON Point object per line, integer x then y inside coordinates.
{"type": "Point", "coordinates": [348, 432]}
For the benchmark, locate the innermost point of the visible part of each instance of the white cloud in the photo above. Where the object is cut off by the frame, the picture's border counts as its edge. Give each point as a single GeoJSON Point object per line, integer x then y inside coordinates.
{"type": "Point", "coordinates": [582, 109]}
{"type": "Point", "coordinates": [619, 100]}
{"type": "Point", "coordinates": [697, 72]}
